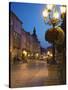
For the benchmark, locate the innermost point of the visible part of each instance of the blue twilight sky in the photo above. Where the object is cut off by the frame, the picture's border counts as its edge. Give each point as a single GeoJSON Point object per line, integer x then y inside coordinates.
{"type": "Point", "coordinates": [31, 16]}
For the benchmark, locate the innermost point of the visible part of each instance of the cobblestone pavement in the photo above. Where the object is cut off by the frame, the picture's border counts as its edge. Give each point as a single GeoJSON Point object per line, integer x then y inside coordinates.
{"type": "Point", "coordinates": [33, 74]}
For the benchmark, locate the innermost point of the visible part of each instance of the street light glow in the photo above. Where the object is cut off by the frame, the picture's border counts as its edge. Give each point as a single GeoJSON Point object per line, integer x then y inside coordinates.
{"type": "Point", "coordinates": [45, 13]}
{"type": "Point", "coordinates": [28, 55]}
{"type": "Point", "coordinates": [63, 9]}
{"type": "Point", "coordinates": [25, 53]}
{"type": "Point", "coordinates": [48, 53]}
{"type": "Point", "coordinates": [37, 54]}
{"type": "Point", "coordinates": [51, 55]}
{"type": "Point", "coordinates": [56, 15]}
{"type": "Point", "coordinates": [50, 6]}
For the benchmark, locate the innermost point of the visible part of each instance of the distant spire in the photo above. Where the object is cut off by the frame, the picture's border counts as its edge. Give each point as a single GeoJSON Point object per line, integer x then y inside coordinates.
{"type": "Point", "coordinates": [35, 35]}
{"type": "Point", "coordinates": [34, 32]}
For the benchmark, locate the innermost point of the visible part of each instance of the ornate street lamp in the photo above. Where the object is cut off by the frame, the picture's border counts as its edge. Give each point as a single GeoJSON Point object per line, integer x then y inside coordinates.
{"type": "Point", "coordinates": [63, 11]}
{"type": "Point", "coordinates": [53, 17]}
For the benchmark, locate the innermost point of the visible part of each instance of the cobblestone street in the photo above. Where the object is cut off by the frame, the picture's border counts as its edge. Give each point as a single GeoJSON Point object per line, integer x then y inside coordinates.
{"type": "Point", "coordinates": [33, 74]}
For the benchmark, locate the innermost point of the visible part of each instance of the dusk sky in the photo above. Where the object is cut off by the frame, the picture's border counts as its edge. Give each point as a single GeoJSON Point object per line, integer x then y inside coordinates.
{"type": "Point", "coordinates": [31, 16]}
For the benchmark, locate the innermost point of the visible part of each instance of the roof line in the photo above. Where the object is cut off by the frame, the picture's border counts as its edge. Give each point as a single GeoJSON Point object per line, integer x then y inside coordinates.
{"type": "Point", "coordinates": [16, 16]}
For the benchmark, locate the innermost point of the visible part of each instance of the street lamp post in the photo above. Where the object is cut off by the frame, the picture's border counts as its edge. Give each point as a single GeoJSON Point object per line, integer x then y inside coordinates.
{"type": "Point", "coordinates": [53, 15]}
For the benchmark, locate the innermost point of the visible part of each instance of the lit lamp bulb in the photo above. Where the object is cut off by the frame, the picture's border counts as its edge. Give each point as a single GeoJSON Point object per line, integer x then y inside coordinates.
{"type": "Point", "coordinates": [63, 10]}
{"type": "Point", "coordinates": [45, 13]}
{"type": "Point", "coordinates": [28, 55]}
{"type": "Point", "coordinates": [56, 15]}
{"type": "Point", "coordinates": [25, 53]}
{"type": "Point", "coordinates": [48, 53]}
{"type": "Point", "coordinates": [37, 54]}
{"type": "Point", "coordinates": [49, 7]}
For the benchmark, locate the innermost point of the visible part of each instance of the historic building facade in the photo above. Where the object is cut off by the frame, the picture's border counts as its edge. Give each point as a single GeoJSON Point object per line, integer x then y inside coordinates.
{"type": "Point", "coordinates": [15, 36]}
{"type": "Point", "coordinates": [21, 40]}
